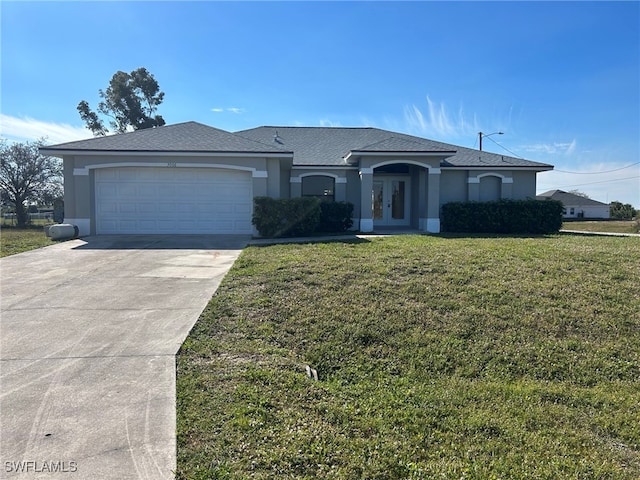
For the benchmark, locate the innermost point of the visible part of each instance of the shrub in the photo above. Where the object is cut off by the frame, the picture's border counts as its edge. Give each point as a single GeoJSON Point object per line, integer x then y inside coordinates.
{"type": "Point", "coordinates": [291, 217]}
{"type": "Point", "coordinates": [286, 217]}
{"type": "Point", "coordinates": [335, 217]}
{"type": "Point", "coordinates": [502, 216]}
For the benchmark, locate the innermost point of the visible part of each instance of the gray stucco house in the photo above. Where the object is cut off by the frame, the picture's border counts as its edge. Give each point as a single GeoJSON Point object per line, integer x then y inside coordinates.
{"type": "Point", "coordinates": [192, 178]}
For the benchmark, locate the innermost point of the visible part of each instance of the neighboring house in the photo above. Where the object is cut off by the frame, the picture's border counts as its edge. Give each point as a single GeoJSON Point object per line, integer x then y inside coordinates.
{"type": "Point", "coordinates": [577, 206]}
{"type": "Point", "coordinates": [192, 178]}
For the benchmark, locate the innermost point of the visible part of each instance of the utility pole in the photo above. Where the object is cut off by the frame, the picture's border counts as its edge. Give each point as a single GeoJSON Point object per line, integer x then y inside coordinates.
{"type": "Point", "coordinates": [480, 135]}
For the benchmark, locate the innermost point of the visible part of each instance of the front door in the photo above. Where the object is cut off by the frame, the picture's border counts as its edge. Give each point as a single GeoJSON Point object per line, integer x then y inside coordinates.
{"type": "Point", "coordinates": [391, 201]}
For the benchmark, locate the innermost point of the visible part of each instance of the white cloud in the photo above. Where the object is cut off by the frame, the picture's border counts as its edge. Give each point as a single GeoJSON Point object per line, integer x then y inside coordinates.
{"type": "Point", "coordinates": [438, 122]}
{"type": "Point", "coordinates": [329, 123]}
{"type": "Point", "coordinates": [29, 129]}
{"type": "Point", "coordinates": [562, 148]}
{"type": "Point", "coordinates": [235, 110]}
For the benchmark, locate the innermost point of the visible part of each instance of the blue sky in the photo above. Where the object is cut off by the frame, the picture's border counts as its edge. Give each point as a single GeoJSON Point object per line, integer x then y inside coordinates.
{"type": "Point", "coordinates": [562, 80]}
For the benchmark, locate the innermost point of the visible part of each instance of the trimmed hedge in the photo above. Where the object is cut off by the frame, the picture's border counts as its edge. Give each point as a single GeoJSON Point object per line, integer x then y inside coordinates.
{"type": "Point", "coordinates": [502, 216]}
{"type": "Point", "coordinates": [335, 217]}
{"type": "Point", "coordinates": [297, 217]}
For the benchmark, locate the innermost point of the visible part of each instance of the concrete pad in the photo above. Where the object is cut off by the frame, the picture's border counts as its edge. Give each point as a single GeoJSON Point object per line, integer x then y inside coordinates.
{"type": "Point", "coordinates": [88, 336]}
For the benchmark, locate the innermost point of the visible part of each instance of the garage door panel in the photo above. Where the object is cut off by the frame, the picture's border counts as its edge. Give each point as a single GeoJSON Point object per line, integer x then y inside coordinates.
{"type": "Point", "coordinates": [173, 200]}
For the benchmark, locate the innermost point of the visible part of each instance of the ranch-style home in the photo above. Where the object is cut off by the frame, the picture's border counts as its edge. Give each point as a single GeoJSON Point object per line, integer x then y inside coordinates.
{"type": "Point", "coordinates": [192, 178]}
{"type": "Point", "coordinates": [577, 206]}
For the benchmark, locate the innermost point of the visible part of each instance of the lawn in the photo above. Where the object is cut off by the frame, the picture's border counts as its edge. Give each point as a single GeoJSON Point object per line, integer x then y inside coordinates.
{"type": "Point", "coordinates": [474, 358]}
{"type": "Point", "coordinates": [611, 226]}
{"type": "Point", "coordinates": [16, 240]}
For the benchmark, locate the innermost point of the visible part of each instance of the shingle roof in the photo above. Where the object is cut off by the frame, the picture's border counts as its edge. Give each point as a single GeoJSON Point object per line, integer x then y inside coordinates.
{"type": "Point", "coordinates": [398, 144]}
{"type": "Point", "coordinates": [308, 145]}
{"type": "Point", "coordinates": [329, 146]}
{"type": "Point", "coordinates": [569, 198]}
{"type": "Point", "coordinates": [181, 137]}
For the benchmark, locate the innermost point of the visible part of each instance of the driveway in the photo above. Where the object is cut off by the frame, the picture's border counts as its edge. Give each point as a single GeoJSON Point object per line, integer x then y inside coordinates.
{"type": "Point", "coordinates": [88, 336]}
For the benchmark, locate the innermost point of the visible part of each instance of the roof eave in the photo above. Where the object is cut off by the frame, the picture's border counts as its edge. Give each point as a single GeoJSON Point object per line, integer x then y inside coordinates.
{"type": "Point", "coordinates": [403, 153]}
{"type": "Point", "coordinates": [164, 153]}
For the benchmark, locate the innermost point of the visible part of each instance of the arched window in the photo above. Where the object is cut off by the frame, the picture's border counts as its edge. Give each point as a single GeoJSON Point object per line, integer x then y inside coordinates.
{"type": "Point", "coordinates": [319, 186]}
{"type": "Point", "coordinates": [490, 188]}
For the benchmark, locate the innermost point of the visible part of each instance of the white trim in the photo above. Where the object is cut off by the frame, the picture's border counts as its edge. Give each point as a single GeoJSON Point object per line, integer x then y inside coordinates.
{"type": "Point", "coordinates": [488, 167]}
{"type": "Point", "coordinates": [477, 178]}
{"type": "Point", "coordinates": [366, 224]}
{"type": "Point", "coordinates": [152, 153]}
{"type": "Point", "coordinates": [366, 171]}
{"type": "Point", "coordinates": [254, 172]}
{"type": "Point", "coordinates": [400, 153]}
{"type": "Point", "coordinates": [433, 225]}
{"type": "Point", "coordinates": [83, 224]}
{"type": "Point", "coordinates": [323, 167]}
{"type": "Point", "coordinates": [337, 179]}
{"type": "Point", "coordinates": [411, 162]}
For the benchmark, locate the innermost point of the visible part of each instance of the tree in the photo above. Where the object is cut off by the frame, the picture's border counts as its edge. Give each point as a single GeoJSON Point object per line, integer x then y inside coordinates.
{"type": "Point", "coordinates": [27, 176]}
{"type": "Point", "coordinates": [579, 193]}
{"type": "Point", "coordinates": [620, 211]}
{"type": "Point", "coordinates": [131, 100]}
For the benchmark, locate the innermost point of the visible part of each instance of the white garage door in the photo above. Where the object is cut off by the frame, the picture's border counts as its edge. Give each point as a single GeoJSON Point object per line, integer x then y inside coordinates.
{"type": "Point", "coordinates": [173, 200]}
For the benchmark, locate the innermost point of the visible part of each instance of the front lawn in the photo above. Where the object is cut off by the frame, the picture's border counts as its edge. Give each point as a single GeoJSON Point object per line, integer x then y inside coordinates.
{"type": "Point", "coordinates": [610, 226]}
{"type": "Point", "coordinates": [437, 357]}
{"type": "Point", "coordinates": [17, 240]}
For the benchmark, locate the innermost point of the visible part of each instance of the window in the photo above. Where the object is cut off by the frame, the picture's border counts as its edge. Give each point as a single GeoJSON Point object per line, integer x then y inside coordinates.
{"type": "Point", "coordinates": [319, 186]}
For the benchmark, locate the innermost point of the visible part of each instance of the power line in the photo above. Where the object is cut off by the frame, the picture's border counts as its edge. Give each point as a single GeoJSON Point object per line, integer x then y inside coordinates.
{"type": "Point", "coordinates": [597, 173]}
{"type": "Point", "coordinates": [604, 181]}
{"type": "Point", "coordinates": [505, 148]}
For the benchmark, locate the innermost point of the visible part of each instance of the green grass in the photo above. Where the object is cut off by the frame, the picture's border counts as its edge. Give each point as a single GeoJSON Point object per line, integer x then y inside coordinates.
{"type": "Point", "coordinates": [17, 240]}
{"type": "Point", "coordinates": [474, 358]}
{"type": "Point", "coordinates": [610, 226]}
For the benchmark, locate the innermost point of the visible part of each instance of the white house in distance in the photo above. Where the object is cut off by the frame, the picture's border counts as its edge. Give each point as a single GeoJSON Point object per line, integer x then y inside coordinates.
{"type": "Point", "coordinates": [193, 178]}
{"type": "Point", "coordinates": [576, 206]}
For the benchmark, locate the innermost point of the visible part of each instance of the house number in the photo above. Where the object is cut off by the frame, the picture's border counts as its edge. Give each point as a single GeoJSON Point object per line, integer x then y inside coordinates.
{"type": "Point", "coordinates": [171, 164]}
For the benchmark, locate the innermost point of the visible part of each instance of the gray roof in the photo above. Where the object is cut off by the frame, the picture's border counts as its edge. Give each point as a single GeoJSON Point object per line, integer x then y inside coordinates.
{"type": "Point", "coordinates": [329, 146]}
{"type": "Point", "coordinates": [325, 146]}
{"type": "Point", "coordinates": [569, 198]}
{"type": "Point", "coordinates": [181, 137]}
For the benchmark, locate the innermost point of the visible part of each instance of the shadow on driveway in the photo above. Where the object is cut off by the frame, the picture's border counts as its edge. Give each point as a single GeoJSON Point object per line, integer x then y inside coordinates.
{"type": "Point", "coordinates": [164, 242]}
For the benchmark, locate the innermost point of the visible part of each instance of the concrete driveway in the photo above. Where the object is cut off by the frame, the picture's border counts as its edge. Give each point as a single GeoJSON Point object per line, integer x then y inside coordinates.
{"type": "Point", "coordinates": [88, 336]}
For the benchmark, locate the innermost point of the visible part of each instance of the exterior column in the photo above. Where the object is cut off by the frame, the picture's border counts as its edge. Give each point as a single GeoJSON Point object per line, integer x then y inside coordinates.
{"type": "Point", "coordinates": [79, 186]}
{"type": "Point", "coordinates": [296, 187]}
{"type": "Point", "coordinates": [433, 201]}
{"type": "Point", "coordinates": [366, 207]}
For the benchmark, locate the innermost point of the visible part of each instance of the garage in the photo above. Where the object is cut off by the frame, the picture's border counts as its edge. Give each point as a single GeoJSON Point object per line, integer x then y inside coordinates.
{"type": "Point", "coordinates": [160, 200]}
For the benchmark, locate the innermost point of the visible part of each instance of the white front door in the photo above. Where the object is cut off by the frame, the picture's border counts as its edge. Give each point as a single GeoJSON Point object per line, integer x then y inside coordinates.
{"type": "Point", "coordinates": [391, 201]}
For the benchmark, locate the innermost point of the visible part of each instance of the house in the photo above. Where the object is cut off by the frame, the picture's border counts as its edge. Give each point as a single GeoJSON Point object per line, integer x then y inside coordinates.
{"type": "Point", "coordinates": [192, 178]}
{"type": "Point", "coordinates": [577, 206]}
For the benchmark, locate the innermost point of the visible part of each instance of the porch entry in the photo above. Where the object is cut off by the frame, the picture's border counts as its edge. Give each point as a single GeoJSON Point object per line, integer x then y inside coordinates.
{"type": "Point", "coordinates": [391, 201]}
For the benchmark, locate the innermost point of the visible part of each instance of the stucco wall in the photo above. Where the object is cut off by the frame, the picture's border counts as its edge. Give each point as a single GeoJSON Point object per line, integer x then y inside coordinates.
{"type": "Point", "coordinates": [79, 172]}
